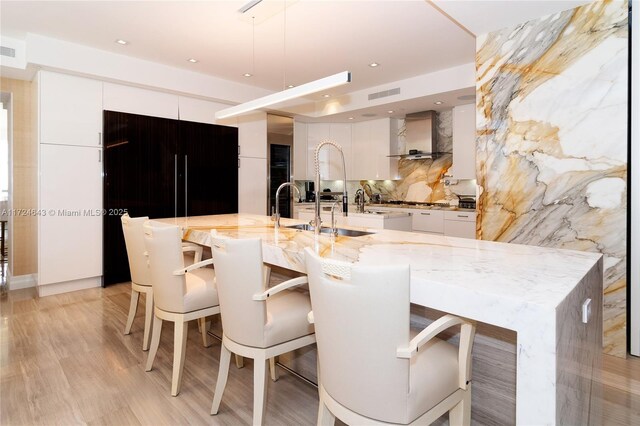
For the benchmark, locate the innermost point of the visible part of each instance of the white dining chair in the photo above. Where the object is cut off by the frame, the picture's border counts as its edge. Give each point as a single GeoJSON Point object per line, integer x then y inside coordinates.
{"type": "Point", "coordinates": [363, 311]}
{"type": "Point", "coordinates": [181, 293]}
{"type": "Point", "coordinates": [140, 280]}
{"type": "Point", "coordinates": [258, 322]}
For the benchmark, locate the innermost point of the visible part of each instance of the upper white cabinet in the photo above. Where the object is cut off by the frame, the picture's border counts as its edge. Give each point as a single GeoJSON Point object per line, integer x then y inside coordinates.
{"type": "Point", "coordinates": [252, 135]}
{"type": "Point", "coordinates": [372, 143]}
{"type": "Point", "coordinates": [340, 133]}
{"type": "Point", "coordinates": [316, 133]}
{"type": "Point", "coordinates": [70, 110]}
{"type": "Point", "coordinates": [464, 142]}
{"type": "Point", "coordinates": [299, 151]}
{"type": "Point", "coordinates": [140, 101]}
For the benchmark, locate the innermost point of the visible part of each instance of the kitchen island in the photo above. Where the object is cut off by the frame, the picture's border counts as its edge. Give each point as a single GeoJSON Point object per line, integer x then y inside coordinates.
{"type": "Point", "coordinates": [537, 292]}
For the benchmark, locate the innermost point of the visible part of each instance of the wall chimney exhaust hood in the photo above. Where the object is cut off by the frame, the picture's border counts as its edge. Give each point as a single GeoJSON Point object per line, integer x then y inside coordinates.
{"type": "Point", "coordinates": [420, 136]}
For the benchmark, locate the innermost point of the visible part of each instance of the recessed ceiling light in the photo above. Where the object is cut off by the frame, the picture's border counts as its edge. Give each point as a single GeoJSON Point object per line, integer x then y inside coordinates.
{"type": "Point", "coordinates": [193, 61]}
{"type": "Point", "coordinates": [390, 111]}
{"type": "Point", "coordinates": [246, 74]}
{"type": "Point", "coordinates": [122, 42]}
{"type": "Point", "coordinates": [374, 64]}
{"type": "Point", "coordinates": [438, 102]}
{"type": "Point", "coordinates": [290, 86]}
{"type": "Point", "coordinates": [350, 118]}
{"type": "Point", "coordinates": [326, 96]}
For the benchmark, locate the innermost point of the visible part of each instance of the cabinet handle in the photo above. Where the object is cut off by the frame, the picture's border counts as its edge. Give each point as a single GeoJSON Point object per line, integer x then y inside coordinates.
{"type": "Point", "coordinates": [238, 163]}
{"type": "Point", "coordinates": [426, 214]}
{"type": "Point", "coordinates": [99, 156]}
{"type": "Point", "coordinates": [99, 138]}
{"type": "Point", "coordinates": [463, 215]}
{"type": "Point", "coordinates": [238, 149]}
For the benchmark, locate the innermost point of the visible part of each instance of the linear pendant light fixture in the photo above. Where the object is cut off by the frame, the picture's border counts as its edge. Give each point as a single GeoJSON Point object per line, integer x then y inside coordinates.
{"type": "Point", "coordinates": [286, 95]}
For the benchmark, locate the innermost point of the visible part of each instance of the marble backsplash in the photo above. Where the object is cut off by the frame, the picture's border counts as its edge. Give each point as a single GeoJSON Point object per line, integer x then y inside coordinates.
{"type": "Point", "coordinates": [420, 180]}
{"type": "Point", "coordinates": [551, 140]}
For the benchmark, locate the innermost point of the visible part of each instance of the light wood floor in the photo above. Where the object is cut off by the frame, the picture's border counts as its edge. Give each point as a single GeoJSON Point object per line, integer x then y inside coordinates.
{"type": "Point", "coordinates": [64, 360]}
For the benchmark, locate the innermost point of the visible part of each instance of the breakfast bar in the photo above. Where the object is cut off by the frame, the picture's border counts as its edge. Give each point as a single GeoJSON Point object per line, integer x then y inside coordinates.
{"type": "Point", "coordinates": [551, 298]}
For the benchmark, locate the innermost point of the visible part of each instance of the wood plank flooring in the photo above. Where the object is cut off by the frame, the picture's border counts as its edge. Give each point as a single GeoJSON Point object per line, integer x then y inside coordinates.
{"type": "Point", "coordinates": [64, 360]}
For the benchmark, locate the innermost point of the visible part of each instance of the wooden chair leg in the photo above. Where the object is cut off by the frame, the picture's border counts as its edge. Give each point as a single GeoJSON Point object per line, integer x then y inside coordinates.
{"type": "Point", "coordinates": [203, 330]}
{"type": "Point", "coordinates": [259, 389]}
{"type": "Point", "coordinates": [221, 382]}
{"type": "Point", "coordinates": [155, 342]}
{"type": "Point", "coordinates": [272, 369]}
{"type": "Point", "coordinates": [179, 348]}
{"type": "Point", "coordinates": [460, 415]}
{"type": "Point", "coordinates": [325, 417]}
{"type": "Point", "coordinates": [148, 321]}
{"type": "Point", "coordinates": [239, 361]}
{"type": "Point", "coordinates": [133, 308]}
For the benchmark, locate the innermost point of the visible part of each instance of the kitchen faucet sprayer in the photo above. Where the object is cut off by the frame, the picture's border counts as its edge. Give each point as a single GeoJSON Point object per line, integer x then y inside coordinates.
{"type": "Point", "coordinates": [345, 200]}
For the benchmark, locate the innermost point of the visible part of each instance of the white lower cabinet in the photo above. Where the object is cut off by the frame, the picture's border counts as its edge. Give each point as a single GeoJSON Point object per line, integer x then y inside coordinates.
{"type": "Point", "coordinates": [460, 224]}
{"type": "Point", "coordinates": [430, 221]}
{"type": "Point", "coordinates": [70, 214]}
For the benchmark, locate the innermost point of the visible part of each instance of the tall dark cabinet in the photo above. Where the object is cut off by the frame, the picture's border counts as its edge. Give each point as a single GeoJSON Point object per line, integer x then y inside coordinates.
{"type": "Point", "coordinates": [161, 168]}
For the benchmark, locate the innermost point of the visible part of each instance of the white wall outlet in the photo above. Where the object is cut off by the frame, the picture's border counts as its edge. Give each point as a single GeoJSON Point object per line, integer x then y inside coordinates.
{"type": "Point", "coordinates": [586, 311]}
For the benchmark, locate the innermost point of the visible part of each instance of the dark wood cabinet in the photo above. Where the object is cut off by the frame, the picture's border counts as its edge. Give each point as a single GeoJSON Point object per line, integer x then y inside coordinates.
{"type": "Point", "coordinates": [162, 168]}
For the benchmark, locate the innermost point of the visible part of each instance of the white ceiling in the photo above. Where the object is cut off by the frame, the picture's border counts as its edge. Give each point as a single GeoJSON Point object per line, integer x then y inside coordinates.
{"type": "Point", "coordinates": [307, 40]}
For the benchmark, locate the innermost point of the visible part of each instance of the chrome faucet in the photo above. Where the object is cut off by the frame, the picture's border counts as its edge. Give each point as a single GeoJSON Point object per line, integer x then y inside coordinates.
{"type": "Point", "coordinates": [334, 228]}
{"type": "Point", "coordinates": [277, 214]}
{"type": "Point", "coordinates": [359, 199]}
{"type": "Point", "coordinates": [345, 201]}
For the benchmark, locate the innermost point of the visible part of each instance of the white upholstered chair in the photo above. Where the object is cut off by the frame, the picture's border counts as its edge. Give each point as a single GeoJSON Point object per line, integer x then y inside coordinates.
{"type": "Point", "coordinates": [363, 311]}
{"type": "Point", "coordinates": [180, 293]}
{"type": "Point", "coordinates": [140, 281]}
{"type": "Point", "coordinates": [257, 322]}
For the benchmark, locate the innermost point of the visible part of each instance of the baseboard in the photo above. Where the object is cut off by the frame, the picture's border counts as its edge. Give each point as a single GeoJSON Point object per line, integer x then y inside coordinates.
{"type": "Point", "coordinates": [67, 286]}
{"type": "Point", "coordinates": [21, 281]}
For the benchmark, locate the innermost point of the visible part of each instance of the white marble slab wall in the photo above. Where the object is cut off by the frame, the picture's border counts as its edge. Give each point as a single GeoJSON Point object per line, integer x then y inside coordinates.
{"type": "Point", "coordinates": [551, 140]}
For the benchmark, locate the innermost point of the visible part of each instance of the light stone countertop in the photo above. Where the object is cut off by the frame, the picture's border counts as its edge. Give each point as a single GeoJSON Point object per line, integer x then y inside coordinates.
{"type": "Point", "coordinates": [537, 292]}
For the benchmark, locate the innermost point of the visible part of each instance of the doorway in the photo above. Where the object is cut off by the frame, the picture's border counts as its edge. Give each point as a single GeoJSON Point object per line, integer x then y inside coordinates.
{"type": "Point", "coordinates": [279, 156]}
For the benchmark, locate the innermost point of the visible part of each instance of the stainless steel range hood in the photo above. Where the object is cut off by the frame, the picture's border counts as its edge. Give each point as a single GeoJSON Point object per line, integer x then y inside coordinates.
{"type": "Point", "coordinates": [420, 136]}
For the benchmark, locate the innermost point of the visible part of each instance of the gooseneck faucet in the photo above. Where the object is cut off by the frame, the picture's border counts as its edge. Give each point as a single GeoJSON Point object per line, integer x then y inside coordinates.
{"type": "Point", "coordinates": [277, 215]}
{"type": "Point", "coordinates": [345, 201]}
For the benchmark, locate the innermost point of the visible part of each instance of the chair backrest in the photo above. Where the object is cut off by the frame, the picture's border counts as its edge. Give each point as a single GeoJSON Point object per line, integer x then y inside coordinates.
{"type": "Point", "coordinates": [164, 247]}
{"type": "Point", "coordinates": [239, 276]}
{"type": "Point", "coordinates": [361, 316]}
{"type": "Point", "coordinates": [134, 241]}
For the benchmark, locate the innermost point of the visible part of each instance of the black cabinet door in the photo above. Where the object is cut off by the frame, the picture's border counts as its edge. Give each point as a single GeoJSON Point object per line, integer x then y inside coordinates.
{"type": "Point", "coordinates": [208, 169]}
{"type": "Point", "coordinates": [140, 155]}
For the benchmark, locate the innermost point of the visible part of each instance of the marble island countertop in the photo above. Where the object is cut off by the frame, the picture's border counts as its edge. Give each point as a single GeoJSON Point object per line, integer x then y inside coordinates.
{"type": "Point", "coordinates": [510, 272]}
{"type": "Point", "coordinates": [537, 292]}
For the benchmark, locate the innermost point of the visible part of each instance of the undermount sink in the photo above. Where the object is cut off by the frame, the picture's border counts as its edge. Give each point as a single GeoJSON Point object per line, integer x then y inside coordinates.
{"type": "Point", "coordinates": [341, 231]}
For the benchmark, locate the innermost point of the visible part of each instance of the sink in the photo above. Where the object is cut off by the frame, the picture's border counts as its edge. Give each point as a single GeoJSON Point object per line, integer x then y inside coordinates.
{"type": "Point", "coordinates": [341, 231]}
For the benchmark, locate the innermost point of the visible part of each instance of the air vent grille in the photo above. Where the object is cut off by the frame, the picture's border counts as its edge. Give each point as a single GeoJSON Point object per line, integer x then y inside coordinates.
{"type": "Point", "coordinates": [7, 51]}
{"type": "Point", "coordinates": [384, 93]}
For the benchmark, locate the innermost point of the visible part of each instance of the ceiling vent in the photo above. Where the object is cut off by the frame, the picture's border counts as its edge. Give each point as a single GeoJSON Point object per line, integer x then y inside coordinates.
{"type": "Point", "coordinates": [384, 93]}
{"type": "Point", "coordinates": [7, 51]}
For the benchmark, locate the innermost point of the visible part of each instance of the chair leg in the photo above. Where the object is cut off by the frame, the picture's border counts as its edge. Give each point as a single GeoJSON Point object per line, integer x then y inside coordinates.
{"type": "Point", "coordinates": [148, 320]}
{"type": "Point", "coordinates": [155, 342]}
{"type": "Point", "coordinates": [179, 349]}
{"type": "Point", "coordinates": [221, 383]}
{"type": "Point", "coordinates": [460, 414]}
{"type": "Point", "coordinates": [325, 417]}
{"type": "Point", "coordinates": [239, 361]}
{"type": "Point", "coordinates": [272, 369]}
{"type": "Point", "coordinates": [203, 330]}
{"type": "Point", "coordinates": [133, 308]}
{"type": "Point", "coordinates": [259, 389]}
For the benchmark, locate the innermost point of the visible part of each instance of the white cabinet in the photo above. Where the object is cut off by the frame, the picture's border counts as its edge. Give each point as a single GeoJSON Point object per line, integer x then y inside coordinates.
{"type": "Point", "coordinates": [430, 221]}
{"type": "Point", "coordinates": [340, 133]}
{"type": "Point", "coordinates": [300, 151]}
{"type": "Point", "coordinates": [460, 224]}
{"type": "Point", "coordinates": [252, 185]}
{"type": "Point", "coordinates": [252, 135]}
{"type": "Point", "coordinates": [70, 110]}
{"type": "Point", "coordinates": [372, 143]}
{"type": "Point", "coordinates": [70, 223]}
{"type": "Point", "coordinates": [464, 142]}
{"type": "Point", "coordinates": [134, 100]}
{"type": "Point", "coordinates": [316, 133]}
